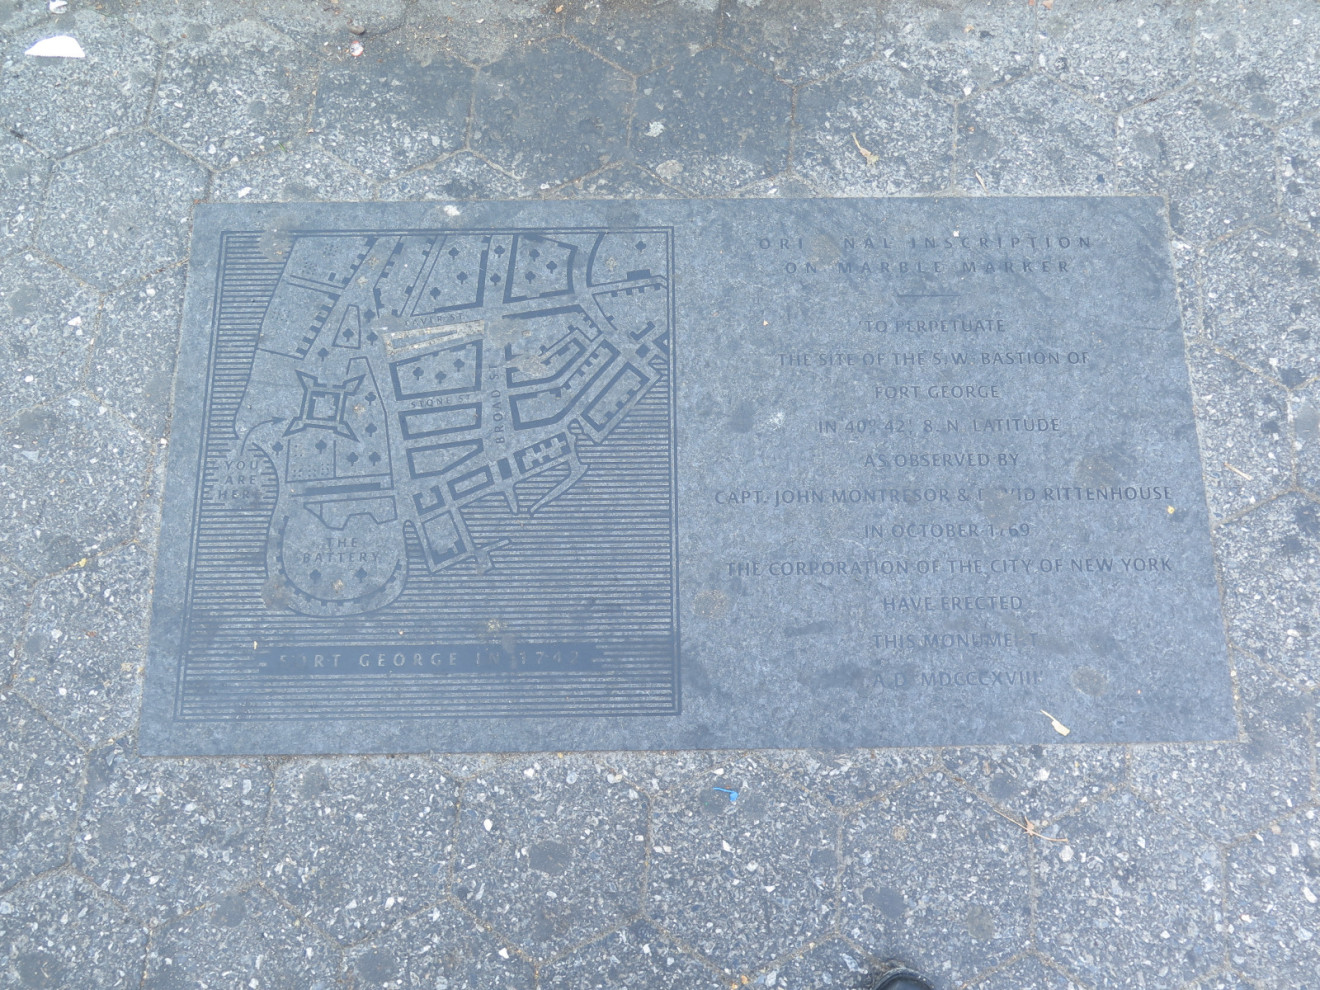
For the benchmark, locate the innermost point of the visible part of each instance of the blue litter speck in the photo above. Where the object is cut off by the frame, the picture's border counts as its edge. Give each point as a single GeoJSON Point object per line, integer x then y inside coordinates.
{"type": "Point", "coordinates": [733, 795]}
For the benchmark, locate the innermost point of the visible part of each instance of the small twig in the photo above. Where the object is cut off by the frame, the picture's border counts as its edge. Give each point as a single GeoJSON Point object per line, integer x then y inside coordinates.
{"type": "Point", "coordinates": [870, 156]}
{"type": "Point", "coordinates": [1238, 472]}
{"type": "Point", "coordinates": [1026, 826]}
{"type": "Point", "coordinates": [980, 180]}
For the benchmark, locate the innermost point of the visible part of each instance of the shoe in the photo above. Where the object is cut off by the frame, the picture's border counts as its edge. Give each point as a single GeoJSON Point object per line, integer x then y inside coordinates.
{"type": "Point", "coordinates": [902, 979]}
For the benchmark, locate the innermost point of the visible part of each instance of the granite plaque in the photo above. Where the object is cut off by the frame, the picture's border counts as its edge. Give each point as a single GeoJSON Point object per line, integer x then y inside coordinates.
{"type": "Point", "coordinates": [656, 475]}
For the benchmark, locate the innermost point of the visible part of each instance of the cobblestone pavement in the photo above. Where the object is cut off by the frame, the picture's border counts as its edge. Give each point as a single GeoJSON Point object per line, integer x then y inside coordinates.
{"type": "Point", "coordinates": [1171, 866]}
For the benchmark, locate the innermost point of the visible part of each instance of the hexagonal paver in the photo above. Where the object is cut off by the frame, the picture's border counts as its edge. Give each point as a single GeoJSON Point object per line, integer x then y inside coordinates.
{"type": "Point", "coordinates": [60, 932]}
{"type": "Point", "coordinates": [1269, 66]}
{"type": "Point", "coordinates": [182, 20]}
{"type": "Point", "coordinates": [244, 939]}
{"type": "Point", "coordinates": [132, 365]}
{"type": "Point", "coordinates": [24, 171]}
{"type": "Point", "coordinates": [625, 181]}
{"type": "Point", "coordinates": [552, 112]}
{"type": "Point", "coordinates": [1119, 53]}
{"type": "Point", "coordinates": [49, 319]}
{"type": "Point", "coordinates": [1304, 411]}
{"type": "Point", "coordinates": [654, 773]}
{"type": "Point", "coordinates": [389, 113]}
{"type": "Point", "coordinates": [1039, 782]}
{"type": "Point", "coordinates": [73, 476]}
{"type": "Point", "coordinates": [122, 209]}
{"type": "Point", "coordinates": [644, 35]}
{"type": "Point", "coordinates": [1129, 891]}
{"type": "Point", "coordinates": [1034, 136]}
{"type": "Point", "coordinates": [485, 31]}
{"type": "Point", "coordinates": [960, 49]}
{"type": "Point", "coordinates": [40, 781]}
{"type": "Point", "coordinates": [934, 877]}
{"type": "Point", "coordinates": [1261, 293]}
{"type": "Point", "coordinates": [244, 90]}
{"type": "Point", "coordinates": [801, 41]}
{"type": "Point", "coordinates": [1242, 420]}
{"type": "Point", "coordinates": [440, 947]}
{"type": "Point", "coordinates": [298, 170]}
{"type": "Point", "coordinates": [636, 957]}
{"type": "Point", "coordinates": [1209, 159]}
{"type": "Point", "coordinates": [85, 645]}
{"type": "Point", "coordinates": [550, 852]}
{"type": "Point", "coordinates": [1231, 788]}
{"type": "Point", "coordinates": [63, 104]}
{"type": "Point", "coordinates": [834, 964]}
{"type": "Point", "coordinates": [782, 186]}
{"type": "Point", "coordinates": [711, 122]}
{"type": "Point", "coordinates": [743, 866]}
{"type": "Point", "coordinates": [355, 845]}
{"type": "Point", "coordinates": [1274, 902]}
{"type": "Point", "coordinates": [165, 836]}
{"type": "Point", "coordinates": [1026, 972]}
{"type": "Point", "coordinates": [1299, 171]}
{"type": "Point", "coordinates": [1270, 560]}
{"type": "Point", "coordinates": [847, 778]}
{"type": "Point", "coordinates": [873, 131]}
{"type": "Point", "coordinates": [463, 176]}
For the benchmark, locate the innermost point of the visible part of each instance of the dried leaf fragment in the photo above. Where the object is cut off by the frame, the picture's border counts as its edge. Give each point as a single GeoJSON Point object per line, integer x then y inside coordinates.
{"type": "Point", "coordinates": [871, 157]}
{"type": "Point", "coordinates": [1058, 726]}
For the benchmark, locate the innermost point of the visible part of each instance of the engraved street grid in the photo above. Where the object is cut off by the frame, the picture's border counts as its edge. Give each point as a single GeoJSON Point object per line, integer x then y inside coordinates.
{"type": "Point", "coordinates": [1180, 866]}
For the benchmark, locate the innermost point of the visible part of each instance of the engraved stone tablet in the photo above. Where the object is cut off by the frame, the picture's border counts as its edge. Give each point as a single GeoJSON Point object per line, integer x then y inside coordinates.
{"type": "Point", "coordinates": [668, 475]}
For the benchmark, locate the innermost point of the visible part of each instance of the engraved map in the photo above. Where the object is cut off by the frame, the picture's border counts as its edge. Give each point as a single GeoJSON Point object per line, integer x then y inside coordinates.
{"type": "Point", "coordinates": [437, 477]}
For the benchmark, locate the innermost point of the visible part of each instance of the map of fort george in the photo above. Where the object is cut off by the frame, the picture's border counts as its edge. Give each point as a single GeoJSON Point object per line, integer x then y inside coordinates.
{"type": "Point", "coordinates": [608, 475]}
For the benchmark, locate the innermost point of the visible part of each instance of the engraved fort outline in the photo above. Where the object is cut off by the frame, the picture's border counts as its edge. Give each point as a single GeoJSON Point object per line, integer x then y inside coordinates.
{"type": "Point", "coordinates": [402, 376]}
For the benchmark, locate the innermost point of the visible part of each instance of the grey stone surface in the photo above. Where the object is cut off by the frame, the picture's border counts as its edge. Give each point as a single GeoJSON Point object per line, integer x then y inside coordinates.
{"type": "Point", "coordinates": [132, 362]}
{"type": "Point", "coordinates": [1243, 421]}
{"type": "Point", "coordinates": [73, 475]}
{"type": "Point", "coordinates": [25, 172]}
{"type": "Point", "coordinates": [1270, 560]}
{"type": "Point", "coordinates": [636, 957]}
{"type": "Point", "coordinates": [550, 852]}
{"type": "Point", "coordinates": [1304, 413]}
{"type": "Point", "coordinates": [41, 783]}
{"type": "Point", "coordinates": [1272, 903]}
{"type": "Point", "coordinates": [63, 104]}
{"type": "Point", "coordinates": [297, 170]}
{"type": "Point", "coordinates": [800, 42]}
{"type": "Point", "coordinates": [833, 964]}
{"type": "Point", "coordinates": [244, 938]}
{"type": "Point", "coordinates": [386, 114]}
{"type": "Point", "coordinates": [1232, 789]}
{"type": "Point", "coordinates": [243, 91]}
{"type": "Point", "coordinates": [1026, 972]}
{"type": "Point", "coordinates": [1109, 901]}
{"type": "Point", "coordinates": [874, 131]}
{"type": "Point", "coordinates": [50, 320]}
{"type": "Point", "coordinates": [1197, 149]}
{"type": "Point", "coordinates": [1260, 293]}
{"type": "Point", "coordinates": [1234, 99]}
{"type": "Point", "coordinates": [1039, 783]}
{"type": "Point", "coordinates": [463, 176]}
{"type": "Point", "coordinates": [58, 931]}
{"type": "Point", "coordinates": [1116, 52]}
{"type": "Point", "coordinates": [742, 877]}
{"type": "Point", "coordinates": [850, 777]}
{"type": "Point", "coordinates": [1034, 136]}
{"type": "Point", "coordinates": [83, 651]}
{"type": "Point", "coordinates": [903, 899]}
{"type": "Point", "coordinates": [438, 947]}
{"type": "Point", "coordinates": [556, 113]}
{"type": "Point", "coordinates": [1271, 75]}
{"type": "Point", "coordinates": [1299, 171]}
{"type": "Point", "coordinates": [164, 838]}
{"type": "Point", "coordinates": [710, 123]}
{"type": "Point", "coordinates": [393, 862]}
{"type": "Point", "coordinates": [639, 37]}
{"type": "Point", "coordinates": [120, 211]}
{"type": "Point", "coordinates": [960, 48]}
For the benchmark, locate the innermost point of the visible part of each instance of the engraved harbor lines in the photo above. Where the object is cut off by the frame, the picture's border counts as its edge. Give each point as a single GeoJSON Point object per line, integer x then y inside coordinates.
{"type": "Point", "coordinates": [437, 477]}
